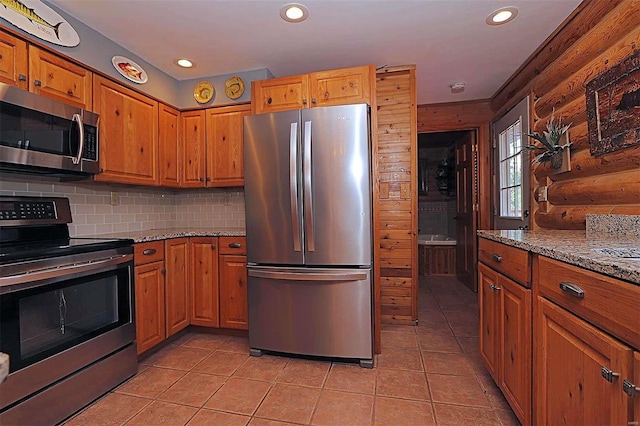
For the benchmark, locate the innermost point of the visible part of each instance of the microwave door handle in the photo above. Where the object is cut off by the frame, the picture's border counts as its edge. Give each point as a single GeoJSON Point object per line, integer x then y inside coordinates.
{"type": "Point", "coordinates": [293, 185]}
{"type": "Point", "coordinates": [78, 119]}
{"type": "Point", "coordinates": [308, 198]}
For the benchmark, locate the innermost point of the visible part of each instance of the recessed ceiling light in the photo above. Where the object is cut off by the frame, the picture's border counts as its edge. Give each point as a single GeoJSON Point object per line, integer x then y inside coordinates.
{"type": "Point", "coordinates": [184, 63]}
{"type": "Point", "coordinates": [294, 12]}
{"type": "Point", "coordinates": [502, 15]}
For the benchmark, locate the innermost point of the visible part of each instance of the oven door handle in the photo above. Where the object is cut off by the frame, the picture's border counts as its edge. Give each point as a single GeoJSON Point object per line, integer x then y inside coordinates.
{"type": "Point", "coordinates": [62, 270]}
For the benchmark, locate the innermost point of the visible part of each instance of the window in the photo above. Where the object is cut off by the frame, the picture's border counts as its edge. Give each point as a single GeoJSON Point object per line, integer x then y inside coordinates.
{"type": "Point", "coordinates": [511, 169]}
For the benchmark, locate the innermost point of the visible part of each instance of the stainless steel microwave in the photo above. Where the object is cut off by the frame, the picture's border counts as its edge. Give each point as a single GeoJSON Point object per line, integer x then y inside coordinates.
{"type": "Point", "coordinates": [39, 135]}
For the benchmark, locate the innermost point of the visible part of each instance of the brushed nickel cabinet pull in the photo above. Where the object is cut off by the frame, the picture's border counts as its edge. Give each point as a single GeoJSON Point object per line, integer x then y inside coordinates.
{"type": "Point", "coordinates": [608, 375]}
{"type": "Point", "coordinates": [630, 389]}
{"type": "Point", "coordinates": [572, 289]}
{"type": "Point", "coordinates": [37, 83]}
{"type": "Point", "coordinates": [494, 287]}
{"type": "Point", "coordinates": [163, 272]}
{"type": "Point", "coordinates": [314, 101]}
{"type": "Point", "coordinates": [22, 77]}
{"type": "Point", "coordinates": [149, 251]}
{"type": "Point", "coordinates": [235, 245]}
{"type": "Point", "coordinates": [213, 246]}
{"type": "Point", "coordinates": [496, 257]}
{"type": "Point", "coordinates": [304, 102]}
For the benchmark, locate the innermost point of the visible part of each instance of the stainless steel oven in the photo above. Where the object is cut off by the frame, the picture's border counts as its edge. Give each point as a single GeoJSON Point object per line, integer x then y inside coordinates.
{"type": "Point", "coordinates": [66, 313]}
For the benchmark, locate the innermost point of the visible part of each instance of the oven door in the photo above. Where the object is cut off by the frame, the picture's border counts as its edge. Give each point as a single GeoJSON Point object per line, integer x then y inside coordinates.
{"type": "Point", "coordinates": [60, 318]}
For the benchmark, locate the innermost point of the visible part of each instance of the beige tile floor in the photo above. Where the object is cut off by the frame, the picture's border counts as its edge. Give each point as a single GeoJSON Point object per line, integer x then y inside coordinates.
{"type": "Point", "coordinates": [426, 375]}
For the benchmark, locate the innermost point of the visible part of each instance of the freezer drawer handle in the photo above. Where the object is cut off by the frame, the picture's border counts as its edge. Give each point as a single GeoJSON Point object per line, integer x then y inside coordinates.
{"type": "Point", "coordinates": [308, 192]}
{"type": "Point", "coordinates": [305, 276]}
{"type": "Point", "coordinates": [293, 186]}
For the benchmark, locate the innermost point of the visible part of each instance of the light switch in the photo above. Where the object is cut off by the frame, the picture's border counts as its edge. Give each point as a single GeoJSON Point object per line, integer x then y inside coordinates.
{"type": "Point", "coordinates": [542, 194]}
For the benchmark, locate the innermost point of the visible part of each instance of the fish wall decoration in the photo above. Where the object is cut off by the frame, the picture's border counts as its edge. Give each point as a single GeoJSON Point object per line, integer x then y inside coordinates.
{"type": "Point", "coordinates": [40, 20]}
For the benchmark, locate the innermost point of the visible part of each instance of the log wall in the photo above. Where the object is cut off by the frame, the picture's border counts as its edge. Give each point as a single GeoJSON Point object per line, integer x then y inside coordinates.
{"type": "Point", "coordinates": [396, 204]}
{"type": "Point", "coordinates": [596, 38]}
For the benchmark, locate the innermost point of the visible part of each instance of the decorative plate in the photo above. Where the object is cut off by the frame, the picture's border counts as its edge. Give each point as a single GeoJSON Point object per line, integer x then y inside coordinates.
{"type": "Point", "coordinates": [234, 87]}
{"type": "Point", "coordinates": [203, 92]}
{"type": "Point", "coordinates": [129, 69]}
{"type": "Point", "coordinates": [40, 20]}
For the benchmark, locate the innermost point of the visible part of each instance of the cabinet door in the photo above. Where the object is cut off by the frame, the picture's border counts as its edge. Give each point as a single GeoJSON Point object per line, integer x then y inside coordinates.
{"type": "Point", "coordinates": [489, 337]}
{"type": "Point", "coordinates": [225, 146]}
{"type": "Point", "coordinates": [570, 358]}
{"type": "Point", "coordinates": [149, 284]}
{"type": "Point", "coordinates": [193, 149]}
{"type": "Point", "coordinates": [169, 146]}
{"type": "Point", "coordinates": [57, 78]}
{"type": "Point", "coordinates": [176, 260]}
{"type": "Point", "coordinates": [204, 281]}
{"type": "Point", "coordinates": [341, 87]}
{"type": "Point", "coordinates": [280, 94]}
{"type": "Point", "coordinates": [128, 134]}
{"type": "Point", "coordinates": [515, 347]}
{"type": "Point", "coordinates": [13, 61]}
{"type": "Point", "coordinates": [636, 385]}
{"type": "Point", "coordinates": [233, 292]}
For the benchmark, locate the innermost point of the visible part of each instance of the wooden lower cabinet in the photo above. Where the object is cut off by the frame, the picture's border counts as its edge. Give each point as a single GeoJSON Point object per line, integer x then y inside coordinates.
{"type": "Point", "coordinates": [176, 259]}
{"type": "Point", "coordinates": [572, 359]}
{"type": "Point", "coordinates": [506, 338]}
{"type": "Point", "coordinates": [204, 281]}
{"type": "Point", "coordinates": [234, 311]}
{"type": "Point", "coordinates": [634, 391]}
{"type": "Point", "coordinates": [149, 293]}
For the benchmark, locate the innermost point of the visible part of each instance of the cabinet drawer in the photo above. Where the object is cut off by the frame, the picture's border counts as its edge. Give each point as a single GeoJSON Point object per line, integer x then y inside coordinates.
{"type": "Point", "coordinates": [608, 303]}
{"type": "Point", "coordinates": [233, 245]}
{"type": "Point", "coordinates": [148, 252]}
{"type": "Point", "coordinates": [511, 261]}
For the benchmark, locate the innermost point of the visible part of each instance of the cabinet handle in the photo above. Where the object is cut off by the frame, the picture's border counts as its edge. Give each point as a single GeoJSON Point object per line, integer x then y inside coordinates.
{"type": "Point", "coordinates": [630, 389]}
{"type": "Point", "coordinates": [149, 252]}
{"type": "Point", "coordinates": [201, 179]}
{"type": "Point", "coordinates": [314, 101]}
{"type": "Point", "coordinates": [608, 375]}
{"type": "Point", "coordinates": [235, 245]}
{"type": "Point", "coordinates": [213, 246]}
{"type": "Point", "coordinates": [208, 179]}
{"type": "Point", "coordinates": [163, 272]}
{"type": "Point", "coordinates": [494, 287]}
{"type": "Point", "coordinates": [572, 289]}
{"type": "Point", "coordinates": [304, 102]}
{"type": "Point", "coordinates": [37, 83]}
{"type": "Point", "coordinates": [496, 257]}
{"type": "Point", "coordinates": [22, 77]}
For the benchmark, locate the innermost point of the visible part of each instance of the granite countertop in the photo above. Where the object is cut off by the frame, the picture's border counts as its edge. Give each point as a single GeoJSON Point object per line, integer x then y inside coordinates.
{"type": "Point", "coordinates": [165, 234]}
{"type": "Point", "coordinates": [597, 252]}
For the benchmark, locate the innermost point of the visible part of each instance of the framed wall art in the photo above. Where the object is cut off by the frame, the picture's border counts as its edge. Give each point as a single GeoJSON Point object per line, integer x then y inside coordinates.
{"type": "Point", "coordinates": [613, 107]}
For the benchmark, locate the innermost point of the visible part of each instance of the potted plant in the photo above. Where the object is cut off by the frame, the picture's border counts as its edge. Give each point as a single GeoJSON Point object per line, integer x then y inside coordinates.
{"type": "Point", "coordinates": [554, 142]}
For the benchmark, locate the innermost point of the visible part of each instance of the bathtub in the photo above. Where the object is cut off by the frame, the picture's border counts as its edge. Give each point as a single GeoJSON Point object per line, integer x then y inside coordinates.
{"type": "Point", "coordinates": [435, 240]}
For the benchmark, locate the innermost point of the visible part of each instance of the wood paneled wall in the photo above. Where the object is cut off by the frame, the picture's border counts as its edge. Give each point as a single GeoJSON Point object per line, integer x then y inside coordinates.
{"type": "Point", "coordinates": [597, 37]}
{"type": "Point", "coordinates": [397, 198]}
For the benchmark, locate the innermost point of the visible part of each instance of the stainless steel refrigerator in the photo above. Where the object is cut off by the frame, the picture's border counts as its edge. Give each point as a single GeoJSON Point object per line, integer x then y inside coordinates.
{"type": "Point", "coordinates": [309, 227]}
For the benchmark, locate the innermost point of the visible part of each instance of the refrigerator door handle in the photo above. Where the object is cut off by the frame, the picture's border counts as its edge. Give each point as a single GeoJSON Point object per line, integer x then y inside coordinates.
{"type": "Point", "coordinates": [308, 198]}
{"type": "Point", "coordinates": [293, 185]}
{"type": "Point", "coordinates": [309, 276]}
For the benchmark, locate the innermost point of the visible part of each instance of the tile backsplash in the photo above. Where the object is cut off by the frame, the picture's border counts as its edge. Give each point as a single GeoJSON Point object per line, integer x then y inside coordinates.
{"type": "Point", "coordinates": [137, 209]}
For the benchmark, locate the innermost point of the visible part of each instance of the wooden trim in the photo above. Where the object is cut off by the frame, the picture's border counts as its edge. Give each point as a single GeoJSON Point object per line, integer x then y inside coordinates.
{"type": "Point", "coordinates": [414, 193]}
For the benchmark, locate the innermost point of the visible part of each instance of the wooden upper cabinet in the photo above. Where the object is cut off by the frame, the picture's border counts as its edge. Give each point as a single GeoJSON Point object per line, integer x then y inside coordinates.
{"type": "Point", "coordinates": [13, 61]}
{"type": "Point", "coordinates": [170, 161]}
{"type": "Point", "coordinates": [280, 94]}
{"type": "Point", "coordinates": [325, 88]}
{"type": "Point", "coordinates": [225, 146]}
{"type": "Point", "coordinates": [193, 149]}
{"type": "Point", "coordinates": [341, 87]}
{"type": "Point", "coordinates": [56, 78]}
{"type": "Point", "coordinates": [128, 134]}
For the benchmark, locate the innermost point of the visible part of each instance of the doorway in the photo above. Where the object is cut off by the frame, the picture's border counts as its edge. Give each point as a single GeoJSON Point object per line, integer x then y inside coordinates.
{"type": "Point", "coordinates": [446, 193]}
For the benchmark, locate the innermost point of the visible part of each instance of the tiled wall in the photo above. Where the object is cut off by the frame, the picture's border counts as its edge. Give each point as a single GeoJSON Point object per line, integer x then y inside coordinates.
{"type": "Point", "coordinates": [437, 217]}
{"type": "Point", "coordinates": [139, 208]}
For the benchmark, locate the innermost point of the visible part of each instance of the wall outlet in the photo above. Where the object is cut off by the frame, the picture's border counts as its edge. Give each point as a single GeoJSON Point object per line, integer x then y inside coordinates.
{"type": "Point", "coordinates": [226, 199]}
{"type": "Point", "coordinates": [115, 199]}
{"type": "Point", "coordinates": [542, 194]}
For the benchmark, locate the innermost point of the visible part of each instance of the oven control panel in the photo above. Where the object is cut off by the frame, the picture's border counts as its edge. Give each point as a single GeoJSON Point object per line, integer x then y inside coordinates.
{"type": "Point", "coordinates": [21, 210]}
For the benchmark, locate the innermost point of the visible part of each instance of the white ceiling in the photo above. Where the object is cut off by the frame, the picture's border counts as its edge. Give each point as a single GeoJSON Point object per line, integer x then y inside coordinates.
{"type": "Point", "coordinates": [448, 40]}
